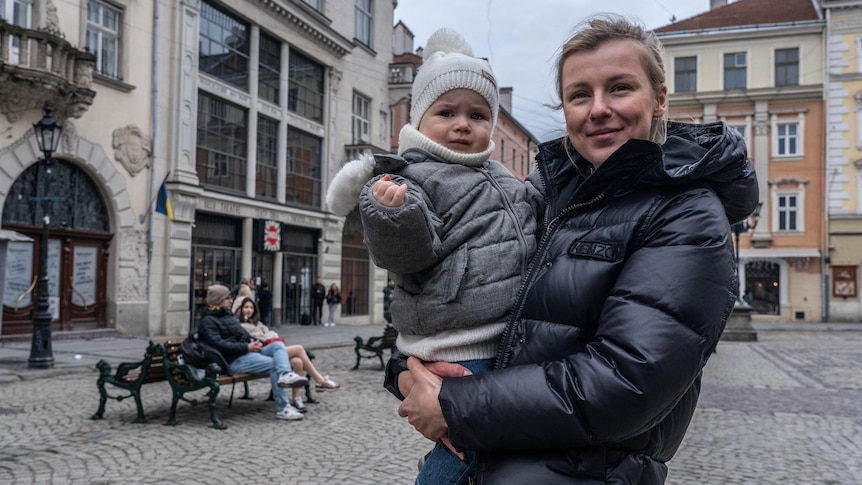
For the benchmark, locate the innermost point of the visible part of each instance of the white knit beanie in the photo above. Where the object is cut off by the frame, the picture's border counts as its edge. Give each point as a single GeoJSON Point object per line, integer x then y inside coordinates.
{"type": "Point", "coordinates": [448, 64]}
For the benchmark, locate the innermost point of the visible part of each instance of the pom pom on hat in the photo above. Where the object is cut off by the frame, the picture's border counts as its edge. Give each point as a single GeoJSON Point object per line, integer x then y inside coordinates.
{"type": "Point", "coordinates": [448, 64]}
{"type": "Point", "coordinates": [217, 294]}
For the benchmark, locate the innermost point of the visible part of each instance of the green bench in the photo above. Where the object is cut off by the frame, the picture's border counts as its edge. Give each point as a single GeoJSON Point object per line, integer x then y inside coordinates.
{"type": "Point", "coordinates": [160, 363]}
{"type": "Point", "coordinates": [375, 346]}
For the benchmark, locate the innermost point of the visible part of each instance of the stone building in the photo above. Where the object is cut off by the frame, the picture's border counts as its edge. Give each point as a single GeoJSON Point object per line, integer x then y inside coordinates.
{"type": "Point", "coordinates": [243, 108]}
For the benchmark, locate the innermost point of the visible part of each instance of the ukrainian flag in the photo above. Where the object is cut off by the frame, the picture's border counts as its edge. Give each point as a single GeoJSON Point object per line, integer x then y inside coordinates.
{"type": "Point", "coordinates": [163, 203]}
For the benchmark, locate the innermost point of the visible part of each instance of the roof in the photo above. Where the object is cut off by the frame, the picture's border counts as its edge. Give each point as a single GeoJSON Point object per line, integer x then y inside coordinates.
{"type": "Point", "coordinates": [747, 12]}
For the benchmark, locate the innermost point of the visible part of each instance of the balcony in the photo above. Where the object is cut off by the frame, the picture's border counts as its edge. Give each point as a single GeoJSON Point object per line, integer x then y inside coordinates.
{"type": "Point", "coordinates": [39, 67]}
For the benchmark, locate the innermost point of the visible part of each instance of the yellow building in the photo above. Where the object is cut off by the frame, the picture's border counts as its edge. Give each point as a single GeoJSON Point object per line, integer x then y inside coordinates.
{"type": "Point", "coordinates": [844, 158]}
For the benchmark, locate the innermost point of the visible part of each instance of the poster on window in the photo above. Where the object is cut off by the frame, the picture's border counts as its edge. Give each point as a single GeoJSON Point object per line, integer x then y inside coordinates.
{"type": "Point", "coordinates": [19, 274]}
{"type": "Point", "coordinates": [844, 281]}
{"type": "Point", "coordinates": [84, 276]}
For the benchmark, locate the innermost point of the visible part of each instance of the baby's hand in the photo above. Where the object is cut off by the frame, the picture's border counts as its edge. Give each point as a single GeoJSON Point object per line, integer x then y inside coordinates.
{"type": "Point", "coordinates": [387, 192]}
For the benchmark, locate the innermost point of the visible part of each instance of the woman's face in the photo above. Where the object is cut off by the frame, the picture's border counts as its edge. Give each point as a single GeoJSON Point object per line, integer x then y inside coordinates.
{"type": "Point", "coordinates": [608, 99]}
{"type": "Point", "coordinates": [247, 309]}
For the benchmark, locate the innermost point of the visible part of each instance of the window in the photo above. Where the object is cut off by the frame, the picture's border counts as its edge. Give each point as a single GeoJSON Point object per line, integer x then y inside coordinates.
{"type": "Point", "coordinates": [363, 19]}
{"type": "Point", "coordinates": [221, 143]}
{"type": "Point", "coordinates": [734, 70]}
{"type": "Point", "coordinates": [266, 178]}
{"type": "Point", "coordinates": [685, 74]}
{"type": "Point", "coordinates": [788, 212]}
{"type": "Point", "coordinates": [269, 68]}
{"type": "Point", "coordinates": [360, 119]}
{"type": "Point", "coordinates": [224, 46]}
{"type": "Point", "coordinates": [787, 139]}
{"type": "Point", "coordinates": [103, 37]}
{"type": "Point", "coordinates": [16, 12]}
{"type": "Point", "coordinates": [787, 67]}
{"type": "Point", "coordinates": [304, 161]}
{"type": "Point", "coordinates": [305, 87]}
{"type": "Point", "coordinates": [315, 4]}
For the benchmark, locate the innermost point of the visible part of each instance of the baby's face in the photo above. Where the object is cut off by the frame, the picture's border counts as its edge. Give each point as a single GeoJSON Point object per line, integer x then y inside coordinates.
{"type": "Point", "coordinates": [460, 120]}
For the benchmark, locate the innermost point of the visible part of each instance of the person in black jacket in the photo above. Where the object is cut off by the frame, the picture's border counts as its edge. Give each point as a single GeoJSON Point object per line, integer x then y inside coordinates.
{"type": "Point", "coordinates": [318, 294]}
{"type": "Point", "coordinates": [598, 372]}
{"type": "Point", "coordinates": [221, 329]}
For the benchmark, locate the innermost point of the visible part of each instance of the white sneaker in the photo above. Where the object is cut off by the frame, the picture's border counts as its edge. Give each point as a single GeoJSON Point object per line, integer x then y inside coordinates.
{"type": "Point", "coordinates": [289, 413]}
{"type": "Point", "coordinates": [292, 380]}
{"type": "Point", "coordinates": [299, 405]}
{"type": "Point", "coordinates": [328, 385]}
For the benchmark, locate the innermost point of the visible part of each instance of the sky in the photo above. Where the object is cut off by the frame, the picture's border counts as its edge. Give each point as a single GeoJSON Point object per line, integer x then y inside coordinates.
{"type": "Point", "coordinates": [520, 38]}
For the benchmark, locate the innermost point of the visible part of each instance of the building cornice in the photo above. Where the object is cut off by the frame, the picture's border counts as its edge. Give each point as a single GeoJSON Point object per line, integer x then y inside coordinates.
{"type": "Point", "coordinates": [314, 28]}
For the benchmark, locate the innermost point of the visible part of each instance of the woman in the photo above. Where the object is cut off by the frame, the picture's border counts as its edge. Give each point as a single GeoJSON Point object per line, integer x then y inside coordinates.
{"type": "Point", "coordinates": [599, 369]}
{"type": "Point", "coordinates": [333, 299]}
{"type": "Point", "coordinates": [249, 318]}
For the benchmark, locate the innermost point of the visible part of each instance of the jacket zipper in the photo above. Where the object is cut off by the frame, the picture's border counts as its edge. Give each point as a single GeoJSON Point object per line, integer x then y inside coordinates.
{"type": "Point", "coordinates": [507, 204]}
{"type": "Point", "coordinates": [517, 309]}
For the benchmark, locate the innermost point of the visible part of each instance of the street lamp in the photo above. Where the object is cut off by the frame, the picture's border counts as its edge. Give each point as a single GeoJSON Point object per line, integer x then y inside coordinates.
{"type": "Point", "coordinates": [742, 227]}
{"type": "Point", "coordinates": [48, 137]}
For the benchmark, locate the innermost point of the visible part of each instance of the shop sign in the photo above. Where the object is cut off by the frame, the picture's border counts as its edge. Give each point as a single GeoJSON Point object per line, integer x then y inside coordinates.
{"type": "Point", "coordinates": [272, 236]}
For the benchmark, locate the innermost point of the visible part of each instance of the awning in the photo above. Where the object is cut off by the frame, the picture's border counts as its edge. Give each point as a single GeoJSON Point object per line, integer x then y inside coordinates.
{"type": "Point", "coordinates": [759, 253]}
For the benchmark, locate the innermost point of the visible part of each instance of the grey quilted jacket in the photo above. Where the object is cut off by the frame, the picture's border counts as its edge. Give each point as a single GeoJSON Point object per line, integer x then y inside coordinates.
{"type": "Point", "coordinates": [457, 246]}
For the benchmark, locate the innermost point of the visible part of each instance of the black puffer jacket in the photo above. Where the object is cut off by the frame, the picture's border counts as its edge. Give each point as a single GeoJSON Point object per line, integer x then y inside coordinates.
{"type": "Point", "coordinates": [221, 329]}
{"type": "Point", "coordinates": [599, 370]}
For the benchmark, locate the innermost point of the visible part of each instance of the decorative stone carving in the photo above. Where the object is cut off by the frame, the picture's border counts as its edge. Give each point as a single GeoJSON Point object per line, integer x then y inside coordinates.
{"type": "Point", "coordinates": [132, 148]}
{"type": "Point", "coordinates": [52, 19]}
{"type": "Point", "coordinates": [133, 265]}
{"type": "Point", "coordinates": [69, 137]}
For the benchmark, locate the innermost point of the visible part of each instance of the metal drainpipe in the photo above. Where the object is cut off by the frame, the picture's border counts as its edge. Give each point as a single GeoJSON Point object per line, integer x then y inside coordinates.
{"type": "Point", "coordinates": [154, 153]}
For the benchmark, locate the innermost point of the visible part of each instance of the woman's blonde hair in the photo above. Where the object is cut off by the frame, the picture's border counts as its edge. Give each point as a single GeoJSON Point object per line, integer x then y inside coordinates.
{"type": "Point", "coordinates": [601, 29]}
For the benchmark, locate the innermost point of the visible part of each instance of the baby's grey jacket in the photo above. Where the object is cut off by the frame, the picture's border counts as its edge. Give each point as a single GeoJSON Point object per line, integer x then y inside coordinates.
{"type": "Point", "coordinates": [459, 244]}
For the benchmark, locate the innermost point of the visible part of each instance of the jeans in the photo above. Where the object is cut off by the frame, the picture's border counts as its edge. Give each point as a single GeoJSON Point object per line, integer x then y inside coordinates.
{"type": "Point", "coordinates": [272, 360]}
{"type": "Point", "coordinates": [316, 312]}
{"type": "Point", "coordinates": [442, 467]}
{"type": "Point", "coordinates": [332, 308]}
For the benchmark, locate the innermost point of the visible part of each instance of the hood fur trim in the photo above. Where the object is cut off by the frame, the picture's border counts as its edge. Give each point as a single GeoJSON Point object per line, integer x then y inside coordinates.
{"type": "Point", "coordinates": [343, 193]}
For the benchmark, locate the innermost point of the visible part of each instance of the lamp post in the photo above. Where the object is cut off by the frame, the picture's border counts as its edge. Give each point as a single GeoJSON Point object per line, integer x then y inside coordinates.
{"type": "Point", "coordinates": [738, 326]}
{"type": "Point", "coordinates": [742, 227]}
{"type": "Point", "coordinates": [48, 137]}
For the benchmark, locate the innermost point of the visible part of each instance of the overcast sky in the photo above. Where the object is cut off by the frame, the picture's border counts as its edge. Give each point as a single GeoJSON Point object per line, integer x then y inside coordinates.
{"type": "Point", "coordinates": [520, 38]}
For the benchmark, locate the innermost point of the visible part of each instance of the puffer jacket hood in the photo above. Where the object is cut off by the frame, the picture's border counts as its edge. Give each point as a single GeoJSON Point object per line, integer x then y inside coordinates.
{"type": "Point", "coordinates": [712, 153]}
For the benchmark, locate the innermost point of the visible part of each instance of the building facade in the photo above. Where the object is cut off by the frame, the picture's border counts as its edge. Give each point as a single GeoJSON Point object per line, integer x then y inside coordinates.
{"type": "Point", "coordinates": [759, 69]}
{"type": "Point", "coordinates": [843, 212]}
{"type": "Point", "coordinates": [242, 109]}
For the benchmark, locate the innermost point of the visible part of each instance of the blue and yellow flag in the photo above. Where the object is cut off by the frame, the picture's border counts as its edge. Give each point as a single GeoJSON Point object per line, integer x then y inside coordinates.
{"type": "Point", "coordinates": [163, 203]}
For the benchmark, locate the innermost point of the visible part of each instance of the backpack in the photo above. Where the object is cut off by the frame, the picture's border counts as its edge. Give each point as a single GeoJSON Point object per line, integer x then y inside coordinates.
{"type": "Point", "coordinates": [200, 354]}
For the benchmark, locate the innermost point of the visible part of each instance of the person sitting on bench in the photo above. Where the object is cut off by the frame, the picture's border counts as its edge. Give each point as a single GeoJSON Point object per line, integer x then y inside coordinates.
{"type": "Point", "coordinates": [221, 329]}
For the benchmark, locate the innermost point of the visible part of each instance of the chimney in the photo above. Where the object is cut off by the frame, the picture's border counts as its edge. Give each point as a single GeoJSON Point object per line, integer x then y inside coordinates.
{"type": "Point", "coordinates": [506, 99]}
{"type": "Point", "coordinates": [714, 4]}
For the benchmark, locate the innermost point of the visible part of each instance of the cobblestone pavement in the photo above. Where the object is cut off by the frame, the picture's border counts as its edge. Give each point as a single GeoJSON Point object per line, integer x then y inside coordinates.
{"type": "Point", "coordinates": [783, 410]}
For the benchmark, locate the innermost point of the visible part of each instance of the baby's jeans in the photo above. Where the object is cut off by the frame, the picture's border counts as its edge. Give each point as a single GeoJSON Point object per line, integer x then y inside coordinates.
{"type": "Point", "coordinates": [442, 467]}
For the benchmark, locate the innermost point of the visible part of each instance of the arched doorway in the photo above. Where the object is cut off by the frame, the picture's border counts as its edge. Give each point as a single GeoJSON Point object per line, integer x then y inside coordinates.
{"type": "Point", "coordinates": [77, 249]}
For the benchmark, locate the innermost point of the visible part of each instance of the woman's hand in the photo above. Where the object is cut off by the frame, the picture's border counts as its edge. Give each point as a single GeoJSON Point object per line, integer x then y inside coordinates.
{"type": "Point", "coordinates": [388, 193]}
{"type": "Point", "coordinates": [421, 407]}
